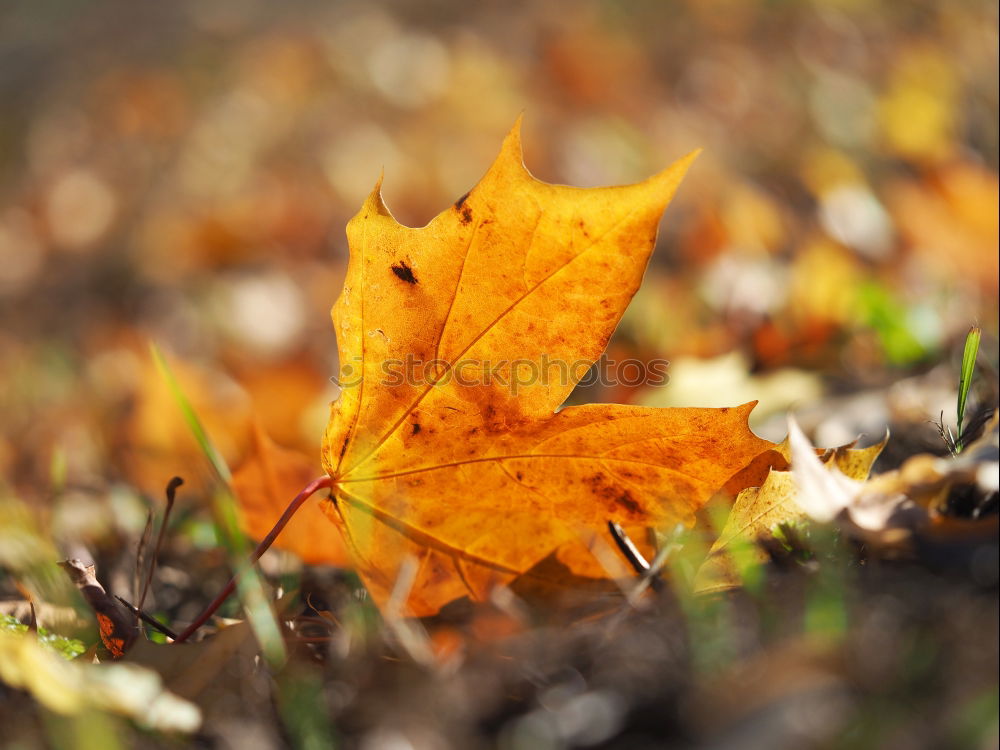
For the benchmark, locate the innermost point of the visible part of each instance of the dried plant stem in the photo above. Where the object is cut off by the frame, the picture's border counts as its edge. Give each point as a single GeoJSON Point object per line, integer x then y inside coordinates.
{"type": "Point", "coordinates": [152, 622]}
{"type": "Point", "coordinates": [628, 549]}
{"type": "Point", "coordinates": [307, 492]}
{"type": "Point", "coordinates": [171, 493]}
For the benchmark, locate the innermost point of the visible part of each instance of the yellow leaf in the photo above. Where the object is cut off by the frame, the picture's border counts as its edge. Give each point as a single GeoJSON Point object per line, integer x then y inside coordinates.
{"type": "Point", "coordinates": [758, 510]}
{"type": "Point", "coordinates": [72, 687]}
{"type": "Point", "coordinates": [458, 343]}
{"type": "Point", "coordinates": [54, 682]}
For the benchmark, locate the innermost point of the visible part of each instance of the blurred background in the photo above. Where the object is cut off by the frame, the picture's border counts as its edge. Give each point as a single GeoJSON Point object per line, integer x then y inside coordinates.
{"type": "Point", "coordinates": [182, 173]}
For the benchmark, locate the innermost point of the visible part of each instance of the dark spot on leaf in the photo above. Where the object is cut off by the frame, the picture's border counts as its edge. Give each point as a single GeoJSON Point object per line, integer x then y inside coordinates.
{"type": "Point", "coordinates": [610, 493]}
{"type": "Point", "coordinates": [343, 448]}
{"type": "Point", "coordinates": [626, 501]}
{"type": "Point", "coordinates": [416, 428]}
{"type": "Point", "coordinates": [404, 273]}
{"type": "Point", "coordinates": [461, 201]}
{"type": "Point", "coordinates": [466, 214]}
{"type": "Point", "coordinates": [495, 423]}
{"type": "Point", "coordinates": [520, 475]}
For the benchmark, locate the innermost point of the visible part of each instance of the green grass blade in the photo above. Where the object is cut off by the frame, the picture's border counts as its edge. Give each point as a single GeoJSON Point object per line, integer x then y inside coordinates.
{"type": "Point", "coordinates": [207, 447]}
{"type": "Point", "coordinates": [250, 584]}
{"type": "Point", "coordinates": [965, 380]}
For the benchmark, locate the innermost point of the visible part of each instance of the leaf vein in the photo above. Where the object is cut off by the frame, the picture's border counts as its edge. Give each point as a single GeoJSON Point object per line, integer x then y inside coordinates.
{"type": "Point", "coordinates": [409, 410]}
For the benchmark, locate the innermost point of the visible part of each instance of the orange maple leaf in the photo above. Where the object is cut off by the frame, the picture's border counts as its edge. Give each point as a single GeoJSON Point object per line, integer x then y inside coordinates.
{"type": "Point", "coordinates": [264, 481]}
{"type": "Point", "coordinates": [447, 447]}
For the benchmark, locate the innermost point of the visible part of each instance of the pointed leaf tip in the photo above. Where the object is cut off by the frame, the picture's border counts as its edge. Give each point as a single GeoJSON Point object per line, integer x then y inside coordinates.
{"type": "Point", "coordinates": [512, 150]}
{"type": "Point", "coordinates": [374, 202]}
{"type": "Point", "coordinates": [688, 159]}
{"type": "Point", "coordinates": [670, 178]}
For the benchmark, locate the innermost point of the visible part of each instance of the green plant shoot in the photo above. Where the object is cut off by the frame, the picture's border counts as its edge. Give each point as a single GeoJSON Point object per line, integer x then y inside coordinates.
{"type": "Point", "coordinates": [965, 380]}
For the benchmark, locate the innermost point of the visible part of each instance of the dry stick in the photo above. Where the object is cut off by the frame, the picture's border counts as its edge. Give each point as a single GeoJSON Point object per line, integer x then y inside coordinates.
{"type": "Point", "coordinates": [628, 549]}
{"type": "Point", "coordinates": [307, 492]}
{"type": "Point", "coordinates": [152, 622]}
{"type": "Point", "coordinates": [172, 486]}
{"type": "Point", "coordinates": [648, 572]}
{"type": "Point", "coordinates": [23, 590]}
{"type": "Point", "coordinates": [140, 554]}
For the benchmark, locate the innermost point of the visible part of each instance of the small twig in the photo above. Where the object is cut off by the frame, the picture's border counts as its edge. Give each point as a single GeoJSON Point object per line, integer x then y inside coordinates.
{"type": "Point", "coordinates": [946, 435]}
{"type": "Point", "coordinates": [140, 553]}
{"type": "Point", "coordinates": [314, 486]}
{"type": "Point", "coordinates": [648, 572]}
{"type": "Point", "coordinates": [152, 622]}
{"type": "Point", "coordinates": [328, 617]}
{"type": "Point", "coordinates": [33, 622]}
{"type": "Point", "coordinates": [628, 549]}
{"type": "Point", "coordinates": [172, 486]}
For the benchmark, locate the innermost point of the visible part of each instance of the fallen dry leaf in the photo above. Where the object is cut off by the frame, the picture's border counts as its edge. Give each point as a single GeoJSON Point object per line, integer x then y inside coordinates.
{"type": "Point", "coordinates": [265, 481]}
{"type": "Point", "coordinates": [728, 378]}
{"type": "Point", "coordinates": [825, 490]}
{"type": "Point", "coordinates": [782, 498]}
{"type": "Point", "coordinates": [118, 629]}
{"type": "Point", "coordinates": [885, 511]}
{"type": "Point", "coordinates": [912, 500]}
{"type": "Point", "coordinates": [923, 477]}
{"type": "Point", "coordinates": [75, 687]}
{"type": "Point", "coordinates": [890, 505]}
{"type": "Point", "coordinates": [498, 307]}
{"type": "Point", "coordinates": [220, 674]}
